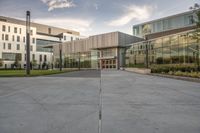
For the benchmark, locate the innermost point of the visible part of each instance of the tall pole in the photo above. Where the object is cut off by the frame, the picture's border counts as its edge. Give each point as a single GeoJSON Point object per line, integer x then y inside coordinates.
{"type": "Point", "coordinates": [79, 61]}
{"type": "Point", "coordinates": [28, 42]}
{"type": "Point", "coordinates": [198, 64]}
{"type": "Point", "coordinates": [60, 51]}
{"type": "Point", "coordinates": [147, 53]}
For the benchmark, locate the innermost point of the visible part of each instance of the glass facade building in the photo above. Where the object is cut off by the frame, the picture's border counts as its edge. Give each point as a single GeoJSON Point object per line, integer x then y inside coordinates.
{"type": "Point", "coordinates": [41, 43]}
{"type": "Point", "coordinates": [80, 59]}
{"type": "Point", "coordinates": [172, 49]}
{"type": "Point", "coordinates": [165, 24]}
{"type": "Point", "coordinates": [166, 41]}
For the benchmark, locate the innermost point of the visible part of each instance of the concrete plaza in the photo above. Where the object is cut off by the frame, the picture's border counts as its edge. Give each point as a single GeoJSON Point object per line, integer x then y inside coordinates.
{"type": "Point", "coordinates": [69, 103]}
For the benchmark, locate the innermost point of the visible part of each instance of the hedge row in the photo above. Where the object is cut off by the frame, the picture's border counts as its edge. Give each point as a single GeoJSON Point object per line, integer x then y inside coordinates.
{"type": "Point", "coordinates": [186, 74]}
{"type": "Point", "coordinates": [173, 68]}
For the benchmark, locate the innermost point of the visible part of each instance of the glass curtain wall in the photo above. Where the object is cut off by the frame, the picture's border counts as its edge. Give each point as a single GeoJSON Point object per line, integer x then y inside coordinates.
{"type": "Point", "coordinates": [175, 49]}
{"type": "Point", "coordinates": [164, 24]}
{"type": "Point", "coordinates": [76, 60]}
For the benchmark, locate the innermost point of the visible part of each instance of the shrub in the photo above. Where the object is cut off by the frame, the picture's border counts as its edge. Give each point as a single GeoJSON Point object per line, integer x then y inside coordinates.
{"type": "Point", "coordinates": [136, 65]}
{"type": "Point", "coordinates": [1, 62]}
{"type": "Point", "coordinates": [159, 60]}
{"type": "Point", "coordinates": [166, 68]}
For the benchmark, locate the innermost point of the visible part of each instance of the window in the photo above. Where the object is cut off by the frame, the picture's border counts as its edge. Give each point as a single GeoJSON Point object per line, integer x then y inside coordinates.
{"type": "Point", "coordinates": [191, 19]}
{"type": "Point", "coordinates": [166, 24]}
{"type": "Point", "coordinates": [31, 32]}
{"type": "Point", "coordinates": [11, 56]}
{"type": "Point", "coordinates": [40, 58]}
{"type": "Point", "coordinates": [8, 28]}
{"type": "Point", "coordinates": [64, 37]}
{"type": "Point", "coordinates": [20, 30]}
{"type": "Point", "coordinates": [2, 37]}
{"type": "Point", "coordinates": [146, 29]}
{"type": "Point", "coordinates": [108, 52]}
{"type": "Point", "coordinates": [4, 45]}
{"type": "Point", "coordinates": [49, 30]}
{"type": "Point", "coordinates": [3, 28]}
{"type": "Point", "coordinates": [18, 38]}
{"type": "Point", "coordinates": [174, 40]}
{"type": "Point", "coordinates": [6, 37]}
{"type": "Point", "coordinates": [24, 39]}
{"type": "Point", "coordinates": [18, 46]}
{"type": "Point", "coordinates": [9, 46]}
{"type": "Point", "coordinates": [166, 42]}
{"type": "Point", "coordinates": [13, 38]}
{"type": "Point", "coordinates": [136, 30]}
{"type": "Point", "coordinates": [40, 45]}
{"type": "Point", "coordinates": [159, 26]}
{"type": "Point", "coordinates": [31, 48]}
{"type": "Point", "coordinates": [15, 29]}
{"type": "Point", "coordinates": [25, 57]}
{"type": "Point", "coordinates": [33, 40]}
{"type": "Point", "coordinates": [71, 38]}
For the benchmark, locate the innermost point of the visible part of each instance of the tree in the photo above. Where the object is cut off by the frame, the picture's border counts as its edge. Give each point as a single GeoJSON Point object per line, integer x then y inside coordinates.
{"type": "Point", "coordinates": [1, 62]}
{"type": "Point", "coordinates": [196, 33]}
{"type": "Point", "coordinates": [196, 19]}
{"type": "Point", "coordinates": [34, 63]}
{"type": "Point", "coordinates": [17, 60]}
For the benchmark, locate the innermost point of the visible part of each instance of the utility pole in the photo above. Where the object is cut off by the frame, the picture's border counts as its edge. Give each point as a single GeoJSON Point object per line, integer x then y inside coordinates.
{"type": "Point", "coordinates": [27, 42]}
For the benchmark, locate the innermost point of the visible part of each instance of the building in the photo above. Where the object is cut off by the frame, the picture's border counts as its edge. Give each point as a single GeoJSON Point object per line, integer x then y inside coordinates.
{"type": "Point", "coordinates": [104, 51]}
{"type": "Point", "coordinates": [163, 41]}
{"type": "Point", "coordinates": [13, 42]}
{"type": "Point", "coordinates": [166, 41]}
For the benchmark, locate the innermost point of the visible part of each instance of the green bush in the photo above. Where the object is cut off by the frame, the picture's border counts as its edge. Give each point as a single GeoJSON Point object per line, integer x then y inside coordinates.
{"type": "Point", "coordinates": [136, 65]}
{"type": "Point", "coordinates": [159, 60]}
{"type": "Point", "coordinates": [1, 62]}
{"type": "Point", "coordinates": [187, 74]}
{"type": "Point", "coordinates": [166, 68]}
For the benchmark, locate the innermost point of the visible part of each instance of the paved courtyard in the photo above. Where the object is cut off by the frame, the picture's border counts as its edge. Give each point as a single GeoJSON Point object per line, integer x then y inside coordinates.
{"type": "Point", "coordinates": [69, 103]}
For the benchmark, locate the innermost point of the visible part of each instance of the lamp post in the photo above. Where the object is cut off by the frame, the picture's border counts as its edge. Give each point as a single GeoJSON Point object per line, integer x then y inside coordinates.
{"type": "Point", "coordinates": [60, 53]}
{"type": "Point", "coordinates": [28, 42]}
{"type": "Point", "coordinates": [147, 52]}
{"type": "Point", "coordinates": [123, 58]}
{"type": "Point", "coordinates": [197, 58]}
{"type": "Point", "coordinates": [79, 61]}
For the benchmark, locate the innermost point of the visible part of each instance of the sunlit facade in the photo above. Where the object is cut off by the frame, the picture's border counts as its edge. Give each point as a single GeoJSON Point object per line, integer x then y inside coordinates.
{"type": "Point", "coordinates": [164, 24]}
{"type": "Point", "coordinates": [173, 49]}
{"type": "Point", "coordinates": [13, 42]}
{"type": "Point", "coordinates": [175, 46]}
{"type": "Point", "coordinates": [104, 51]}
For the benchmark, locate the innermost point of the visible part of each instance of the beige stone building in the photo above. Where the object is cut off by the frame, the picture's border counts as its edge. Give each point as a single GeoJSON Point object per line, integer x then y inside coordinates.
{"type": "Point", "coordinates": [104, 51]}
{"type": "Point", "coordinates": [13, 42]}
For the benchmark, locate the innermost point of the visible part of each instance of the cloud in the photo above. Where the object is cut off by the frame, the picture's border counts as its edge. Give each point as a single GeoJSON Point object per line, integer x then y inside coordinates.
{"type": "Point", "coordinates": [68, 23]}
{"type": "Point", "coordinates": [53, 4]}
{"type": "Point", "coordinates": [96, 6]}
{"type": "Point", "coordinates": [131, 13]}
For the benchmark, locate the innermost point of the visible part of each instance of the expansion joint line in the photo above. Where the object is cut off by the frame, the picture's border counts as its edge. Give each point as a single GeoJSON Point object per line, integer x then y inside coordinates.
{"type": "Point", "coordinates": [100, 105]}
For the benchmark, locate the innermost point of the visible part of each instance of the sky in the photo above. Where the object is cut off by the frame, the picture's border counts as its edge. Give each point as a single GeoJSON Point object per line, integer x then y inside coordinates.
{"type": "Point", "coordinates": [91, 17]}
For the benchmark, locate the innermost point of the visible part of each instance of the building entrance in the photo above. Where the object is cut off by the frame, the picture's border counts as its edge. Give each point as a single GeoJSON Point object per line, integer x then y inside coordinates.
{"type": "Point", "coordinates": [108, 64]}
